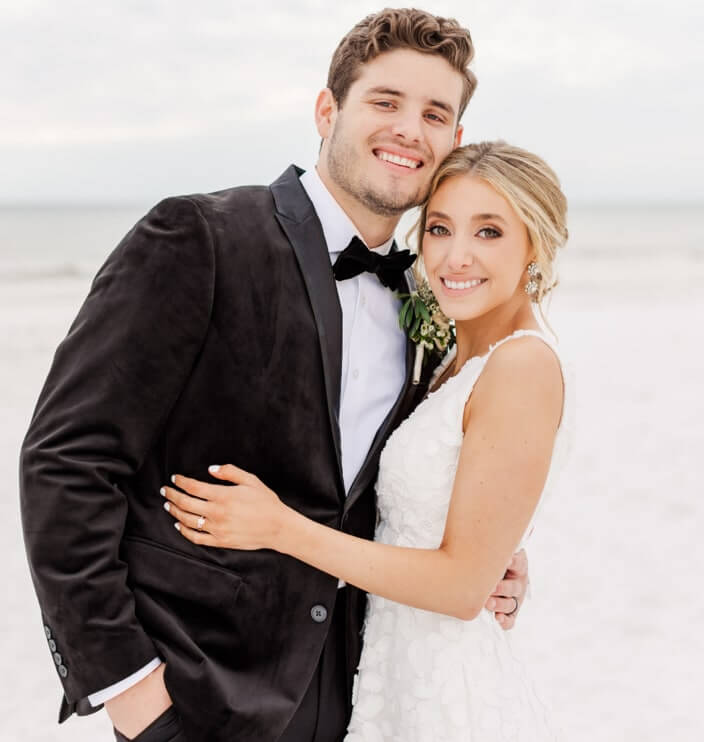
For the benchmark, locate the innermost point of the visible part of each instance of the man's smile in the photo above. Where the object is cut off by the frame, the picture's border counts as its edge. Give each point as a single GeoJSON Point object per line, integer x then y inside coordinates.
{"type": "Point", "coordinates": [405, 161]}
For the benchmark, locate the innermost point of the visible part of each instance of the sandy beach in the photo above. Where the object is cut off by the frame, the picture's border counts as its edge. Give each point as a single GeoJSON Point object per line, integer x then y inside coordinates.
{"type": "Point", "coordinates": [615, 558]}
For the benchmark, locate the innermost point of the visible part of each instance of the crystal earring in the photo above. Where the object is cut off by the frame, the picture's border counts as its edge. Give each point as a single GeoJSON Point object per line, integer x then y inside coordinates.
{"type": "Point", "coordinates": [533, 286]}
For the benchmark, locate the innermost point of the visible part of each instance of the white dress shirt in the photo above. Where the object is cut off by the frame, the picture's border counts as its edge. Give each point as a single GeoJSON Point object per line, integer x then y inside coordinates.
{"type": "Point", "coordinates": [373, 360]}
{"type": "Point", "coordinates": [373, 346]}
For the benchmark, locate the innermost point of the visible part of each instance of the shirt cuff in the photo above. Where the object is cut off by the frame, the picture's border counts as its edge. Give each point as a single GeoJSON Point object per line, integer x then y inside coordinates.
{"type": "Point", "coordinates": [95, 699]}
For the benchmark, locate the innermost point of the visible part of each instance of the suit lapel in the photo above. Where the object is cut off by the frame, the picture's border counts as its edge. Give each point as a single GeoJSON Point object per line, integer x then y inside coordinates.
{"type": "Point", "coordinates": [300, 223]}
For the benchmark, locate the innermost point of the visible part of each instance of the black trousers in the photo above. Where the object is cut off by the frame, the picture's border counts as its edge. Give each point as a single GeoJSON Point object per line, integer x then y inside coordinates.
{"type": "Point", "coordinates": [322, 714]}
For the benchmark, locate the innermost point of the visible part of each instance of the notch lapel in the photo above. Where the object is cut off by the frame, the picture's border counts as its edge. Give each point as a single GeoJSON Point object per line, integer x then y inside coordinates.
{"type": "Point", "coordinates": [300, 223]}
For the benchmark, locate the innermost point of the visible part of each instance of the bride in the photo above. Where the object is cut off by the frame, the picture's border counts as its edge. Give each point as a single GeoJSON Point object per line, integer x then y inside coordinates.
{"type": "Point", "coordinates": [460, 481]}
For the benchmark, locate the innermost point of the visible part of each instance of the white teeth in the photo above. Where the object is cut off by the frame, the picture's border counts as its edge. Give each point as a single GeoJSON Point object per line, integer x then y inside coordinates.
{"type": "Point", "coordinates": [397, 160]}
{"type": "Point", "coordinates": [462, 284]}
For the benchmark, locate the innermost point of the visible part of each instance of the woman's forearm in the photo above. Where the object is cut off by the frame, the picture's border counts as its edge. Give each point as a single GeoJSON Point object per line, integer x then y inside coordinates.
{"type": "Point", "coordinates": [423, 578]}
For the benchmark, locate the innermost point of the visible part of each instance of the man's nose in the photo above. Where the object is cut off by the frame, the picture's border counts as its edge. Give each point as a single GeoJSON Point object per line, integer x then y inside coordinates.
{"type": "Point", "coordinates": [408, 126]}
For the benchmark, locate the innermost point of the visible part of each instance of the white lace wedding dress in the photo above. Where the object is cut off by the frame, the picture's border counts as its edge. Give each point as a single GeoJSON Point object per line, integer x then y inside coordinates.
{"type": "Point", "coordinates": [425, 676]}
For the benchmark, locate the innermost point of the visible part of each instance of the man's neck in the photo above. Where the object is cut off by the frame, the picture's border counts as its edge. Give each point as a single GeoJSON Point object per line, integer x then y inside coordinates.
{"type": "Point", "coordinates": [374, 229]}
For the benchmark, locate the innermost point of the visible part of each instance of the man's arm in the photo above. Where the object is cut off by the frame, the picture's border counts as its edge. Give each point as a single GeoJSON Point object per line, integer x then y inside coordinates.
{"type": "Point", "coordinates": [110, 388]}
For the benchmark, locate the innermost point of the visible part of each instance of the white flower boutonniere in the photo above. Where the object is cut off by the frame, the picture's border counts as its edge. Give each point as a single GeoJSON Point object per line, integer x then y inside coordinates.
{"type": "Point", "coordinates": [424, 322]}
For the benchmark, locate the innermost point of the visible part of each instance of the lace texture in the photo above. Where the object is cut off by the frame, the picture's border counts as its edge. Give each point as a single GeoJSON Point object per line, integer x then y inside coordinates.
{"type": "Point", "coordinates": [424, 676]}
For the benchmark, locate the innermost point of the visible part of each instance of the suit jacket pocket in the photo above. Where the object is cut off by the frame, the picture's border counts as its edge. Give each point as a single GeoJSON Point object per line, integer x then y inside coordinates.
{"type": "Point", "coordinates": [173, 589]}
{"type": "Point", "coordinates": [165, 728]}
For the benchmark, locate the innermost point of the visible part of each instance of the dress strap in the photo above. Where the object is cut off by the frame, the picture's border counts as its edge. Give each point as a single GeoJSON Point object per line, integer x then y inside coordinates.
{"type": "Point", "coordinates": [522, 333]}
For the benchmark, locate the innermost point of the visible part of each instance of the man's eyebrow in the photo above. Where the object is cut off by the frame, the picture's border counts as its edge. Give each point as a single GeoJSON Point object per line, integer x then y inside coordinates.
{"type": "Point", "coordinates": [382, 90]}
{"type": "Point", "coordinates": [385, 91]}
{"type": "Point", "coordinates": [443, 106]}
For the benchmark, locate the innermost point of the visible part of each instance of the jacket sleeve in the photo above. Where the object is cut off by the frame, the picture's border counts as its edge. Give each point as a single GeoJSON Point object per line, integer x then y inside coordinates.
{"type": "Point", "coordinates": [110, 388]}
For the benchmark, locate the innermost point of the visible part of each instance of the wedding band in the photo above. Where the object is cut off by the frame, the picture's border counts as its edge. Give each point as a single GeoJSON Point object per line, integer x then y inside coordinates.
{"type": "Point", "coordinates": [515, 600]}
{"type": "Point", "coordinates": [201, 523]}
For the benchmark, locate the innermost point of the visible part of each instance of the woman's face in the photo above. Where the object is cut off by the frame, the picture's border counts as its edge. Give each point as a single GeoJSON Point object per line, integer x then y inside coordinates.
{"type": "Point", "coordinates": [475, 249]}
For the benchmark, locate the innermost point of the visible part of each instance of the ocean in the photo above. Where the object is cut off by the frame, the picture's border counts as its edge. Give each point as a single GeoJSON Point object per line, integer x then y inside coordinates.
{"type": "Point", "coordinates": [647, 246]}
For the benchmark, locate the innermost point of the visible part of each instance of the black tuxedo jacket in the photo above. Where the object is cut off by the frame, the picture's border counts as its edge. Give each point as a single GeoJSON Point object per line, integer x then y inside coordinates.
{"type": "Point", "coordinates": [212, 334]}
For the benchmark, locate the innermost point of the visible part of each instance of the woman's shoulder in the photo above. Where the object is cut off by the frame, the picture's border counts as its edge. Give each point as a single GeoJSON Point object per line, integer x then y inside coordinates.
{"type": "Point", "coordinates": [522, 373]}
{"type": "Point", "coordinates": [530, 351]}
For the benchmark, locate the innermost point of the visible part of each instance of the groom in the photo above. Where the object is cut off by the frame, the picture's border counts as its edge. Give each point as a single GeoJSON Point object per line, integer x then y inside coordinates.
{"type": "Point", "coordinates": [216, 332]}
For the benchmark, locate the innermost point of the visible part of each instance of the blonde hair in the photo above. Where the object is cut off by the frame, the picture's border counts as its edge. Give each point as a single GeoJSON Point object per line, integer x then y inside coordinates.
{"type": "Point", "coordinates": [528, 184]}
{"type": "Point", "coordinates": [401, 28]}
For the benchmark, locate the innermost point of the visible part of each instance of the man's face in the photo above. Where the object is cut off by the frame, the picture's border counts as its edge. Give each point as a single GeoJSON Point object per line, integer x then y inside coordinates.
{"type": "Point", "coordinates": [397, 123]}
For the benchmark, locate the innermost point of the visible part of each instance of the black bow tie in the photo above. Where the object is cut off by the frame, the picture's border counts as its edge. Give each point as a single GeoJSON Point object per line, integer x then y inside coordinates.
{"type": "Point", "coordinates": [357, 258]}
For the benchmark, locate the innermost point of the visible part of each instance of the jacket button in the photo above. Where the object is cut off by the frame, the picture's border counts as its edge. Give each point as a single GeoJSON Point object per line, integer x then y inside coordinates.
{"type": "Point", "coordinates": [47, 631]}
{"type": "Point", "coordinates": [319, 613]}
{"type": "Point", "coordinates": [58, 658]}
{"type": "Point", "coordinates": [63, 671]}
{"type": "Point", "coordinates": [52, 645]}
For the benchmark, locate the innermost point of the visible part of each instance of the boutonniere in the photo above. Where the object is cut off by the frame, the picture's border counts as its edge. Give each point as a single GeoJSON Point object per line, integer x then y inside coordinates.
{"type": "Point", "coordinates": [424, 322]}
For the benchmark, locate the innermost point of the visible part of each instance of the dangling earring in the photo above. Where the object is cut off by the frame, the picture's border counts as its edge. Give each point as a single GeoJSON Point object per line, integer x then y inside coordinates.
{"type": "Point", "coordinates": [532, 288]}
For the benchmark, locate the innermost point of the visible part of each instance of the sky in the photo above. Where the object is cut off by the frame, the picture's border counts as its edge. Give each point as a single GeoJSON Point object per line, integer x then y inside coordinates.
{"type": "Point", "coordinates": [130, 101]}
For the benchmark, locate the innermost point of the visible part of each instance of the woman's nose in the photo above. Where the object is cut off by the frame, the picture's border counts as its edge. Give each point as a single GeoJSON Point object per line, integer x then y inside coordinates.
{"type": "Point", "coordinates": [459, 257]}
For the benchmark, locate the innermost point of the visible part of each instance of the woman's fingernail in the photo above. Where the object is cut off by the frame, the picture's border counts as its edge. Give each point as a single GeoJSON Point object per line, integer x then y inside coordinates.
{"type": "Point", "coordinates": [162, 491]}
{"type": "Point", "coordinates": [214, 468]}
{"type": "Point", "coordinates": [177, 526]}
{"type": "Point", "coordinates": [167, 506]}
{"type": "Point", "coordinates": [173, 479]}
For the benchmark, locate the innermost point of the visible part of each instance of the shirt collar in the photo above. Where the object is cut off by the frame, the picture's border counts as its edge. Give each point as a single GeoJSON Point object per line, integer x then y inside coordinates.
{"type": "Point", "coordinates": [338, 228]}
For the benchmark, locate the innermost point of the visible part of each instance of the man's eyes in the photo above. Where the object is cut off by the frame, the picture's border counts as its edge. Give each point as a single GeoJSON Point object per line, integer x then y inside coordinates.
{"type": "Point", "coordinates": [387, 104]}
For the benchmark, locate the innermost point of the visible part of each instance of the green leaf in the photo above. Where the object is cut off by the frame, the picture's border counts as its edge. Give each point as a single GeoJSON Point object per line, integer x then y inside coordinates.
{"type": "Point", "coordinates": [414, 329]}
{"type": "Point", "coordinates": [403, 313]}
{"type": "Point", "coordinates": [410, 313]}
{"type": "Point", "coordinates": [423, 311]}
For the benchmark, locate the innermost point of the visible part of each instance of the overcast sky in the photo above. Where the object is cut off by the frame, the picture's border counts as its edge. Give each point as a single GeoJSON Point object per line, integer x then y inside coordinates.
{"type": "Point", "coordinates": [129, 101]}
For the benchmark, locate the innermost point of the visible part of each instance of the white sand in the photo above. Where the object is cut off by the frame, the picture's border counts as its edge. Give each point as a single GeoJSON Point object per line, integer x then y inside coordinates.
{"type": "Point", "coordinates": [617, 556]}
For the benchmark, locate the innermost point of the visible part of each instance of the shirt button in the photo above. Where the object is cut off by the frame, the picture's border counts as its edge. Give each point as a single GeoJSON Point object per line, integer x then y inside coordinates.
{"type": "Point", "coordinates": [319, 613]}
{"type": "Point", "coordinates": [52, 645]}
{"type": "Point", "coordinates": [58, 658]}
{"type": "Point", "coordinates": [47, 631]}
{"type": "Point", "coordinates": [355, 373]}
{"type": "Point", "coordinates": [63, 671]}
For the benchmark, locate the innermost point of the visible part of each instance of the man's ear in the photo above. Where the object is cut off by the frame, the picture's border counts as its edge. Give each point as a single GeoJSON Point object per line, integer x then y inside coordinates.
{"type": "Point", "coordinates": [458, 135]}
{"type": "Point", "coordinates": [325, 112]}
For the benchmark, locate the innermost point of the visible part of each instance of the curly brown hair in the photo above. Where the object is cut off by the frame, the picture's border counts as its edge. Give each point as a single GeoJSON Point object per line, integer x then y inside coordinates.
{"type": "Point", "coordinates": [401, 28]}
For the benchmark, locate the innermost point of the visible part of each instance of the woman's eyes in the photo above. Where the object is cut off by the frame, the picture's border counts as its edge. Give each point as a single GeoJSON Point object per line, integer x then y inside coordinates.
{"type": "Point", "coordinates": [437, 230]}
{"type": "Point", "coordinates": [489, 233]}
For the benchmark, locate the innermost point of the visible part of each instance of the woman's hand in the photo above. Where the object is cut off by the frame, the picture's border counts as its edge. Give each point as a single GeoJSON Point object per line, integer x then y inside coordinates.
{"type": "Point", "coordinates": [248, 516]}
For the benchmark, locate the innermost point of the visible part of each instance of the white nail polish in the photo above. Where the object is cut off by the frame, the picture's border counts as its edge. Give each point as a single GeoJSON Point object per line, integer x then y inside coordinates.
{"type": "Point", "coordinates": [177, 526]}
{"type": "Point", "coordinates": [162, 492]}
{"type": "Point", "coordinates": [167, 506]}
{"type": "Point", "coordinates": [214, 468]}
{"type": "Point", "coordinates": [173, 479]}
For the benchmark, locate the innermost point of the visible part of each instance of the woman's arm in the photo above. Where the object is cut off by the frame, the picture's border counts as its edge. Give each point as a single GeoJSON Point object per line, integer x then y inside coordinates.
{"type": "Point", "coordinates": [510, 428]}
